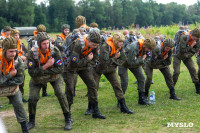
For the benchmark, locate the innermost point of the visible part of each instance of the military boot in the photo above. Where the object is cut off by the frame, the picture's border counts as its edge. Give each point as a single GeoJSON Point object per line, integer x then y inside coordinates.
{"type": "Point", "coordinates": [89, 110]}
{"type": "Point", "coordinates": [124, 108]}
{"type": "Point", "coordinates": [197, 86]}
{"type": "Point", "coordinates": [118, 104]}
{"type": "Point", "coordinates": [24, 127]}
{"type": "Point", "coordinates": [31, 123]}
{"type": "Point", "coordinates": [68, 122]}
{"type": "Point", "coordinates": [24, 100]}
{"type": "Point", "coordinates": [96, 113]}
{"type": "Point", "coordinates": [143, 99]}
{"type": "Point", "coordinates": [173, 95]}
{"type": "Point", "coordinates": [70, 114]}
{"type": "Point", "coordinates": [44, 92]}
{"type": "Point", "coordinates": [146, 94]}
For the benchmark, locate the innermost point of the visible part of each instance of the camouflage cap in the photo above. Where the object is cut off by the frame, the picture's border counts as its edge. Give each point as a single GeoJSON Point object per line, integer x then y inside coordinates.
{"type": "Point", "coordinates": [94, 36]}
{"type": "Point", "coordinates": [13, 32]}
{"type": "Point", "coordinates": [196, 32]}
{"type": "Point", "coordinates": [41, 36]}
{"type": "Point", "coordinates": [94, 25]}
{"type": "Point", "coordinates": [80, 20]}
{"type": "Point", "coordinates": [7, 28]}
{"type": "Point", "coordinates": [149, 43]}
{"type": "Point", "coordinates": [41, 28]}
{"type": "Point", "coordinates": [102, 32]}
{"type": "Point", "coordinates": [118, 37]}
{"type": "Point", "coordinates": [9, 43]}
{"type": "Point", "coordinates": [169, 43]}
{"type": "Point", "coordinates": [65, 26]}
{"type": "Point", "coordinates": [132, 32]}
{"type": "Point", "coordinates": [182, 28]}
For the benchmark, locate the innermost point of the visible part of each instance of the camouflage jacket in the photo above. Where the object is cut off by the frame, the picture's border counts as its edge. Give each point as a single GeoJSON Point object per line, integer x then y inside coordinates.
{"type": "Point", "coordinates": [59, 43]}
{"type": "Point", "coordinates": [107, 63]}
{"type": "Point", "coordinates": [78, 61]}
{"type": "Point", "coordinates": [186, 51]}
{"type": "Point", "coordinates": [157, 60]}
{"type": "Point", "coordinates": [7, 80]}
{"type": "Point", "coordinates": [51, 74]}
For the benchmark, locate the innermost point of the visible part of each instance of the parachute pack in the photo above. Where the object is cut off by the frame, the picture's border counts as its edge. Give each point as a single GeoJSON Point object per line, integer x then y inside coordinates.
{"type": "Point", "coordinates": [67, 45]}
{"type": "Point", "coordinates": [177, 40]}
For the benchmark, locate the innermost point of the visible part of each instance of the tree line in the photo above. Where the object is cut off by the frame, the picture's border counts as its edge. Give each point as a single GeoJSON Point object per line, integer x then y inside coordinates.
{"type": "Point", "coordinates": [107, 13]}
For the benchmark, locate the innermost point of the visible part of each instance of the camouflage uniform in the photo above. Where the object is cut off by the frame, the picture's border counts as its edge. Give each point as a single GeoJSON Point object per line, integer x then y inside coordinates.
{"type": "Point", "coordinates": [108, 65]}
{"type": "Point", "coordinates": [157, 61]}
{"type": "Point", "coordinates": [7, 80]}
{"type": "Point", "coordinates": [134, 63]}
{"type": "Point", "coordinates": [80, 64]}
{"type": "Point", "coordinates": [40, 77]}
{"type": "Point", "coordinates": [31, 43]}
{"type": "Point", "coordinates": [185, 53]}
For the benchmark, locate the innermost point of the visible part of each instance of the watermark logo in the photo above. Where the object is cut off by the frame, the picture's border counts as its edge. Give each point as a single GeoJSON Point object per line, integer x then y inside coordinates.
{"type": "Point", "coordinates": [179, 124]}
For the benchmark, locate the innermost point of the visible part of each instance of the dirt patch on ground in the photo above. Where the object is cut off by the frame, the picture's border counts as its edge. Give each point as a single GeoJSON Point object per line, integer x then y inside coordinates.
{"type": "Point", "coordinates": [5, 114]}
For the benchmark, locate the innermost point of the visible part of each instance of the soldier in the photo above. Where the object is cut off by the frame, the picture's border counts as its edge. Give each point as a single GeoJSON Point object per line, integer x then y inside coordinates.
{"type": "Point", "coordinates": [188, 45]}
{"type": "Point", "coordinates": [11, 76]}
{"type": "Point", "coordinates": [81, 23]}
{"type": "Point", "coordinates": [125, 32]}
{"type": "Point", "coordinates": [45, 65]}
{"type": "Point", "coordinates": [40, 28]}
{"type": "Point", "coordinates": [161, 59]}
{"type": "Point", "coordinates": [111, 56]}
{"type": "Point", "coordinates": [136, 53]}
{"type": "Point", "coordinates": [61, 38]}
{"type": "Point", "coordinates": [83, 53]}
{"type": "Point", "coordinates": [22, 54]}
{"type": "Point", "coordinates": [6, 32]}
{"type": "Point", "coordinates": [94, 25]}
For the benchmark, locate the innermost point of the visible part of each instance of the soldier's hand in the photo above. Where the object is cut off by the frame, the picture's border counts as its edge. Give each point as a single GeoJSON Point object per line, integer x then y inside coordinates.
{"type": "Point", "coordinates": [193, 43]}
{"type": "Point", "coordinates": [50, 62]}
{"type": "Point", "coordinates": [166, 56]}
{"type": "Point", "coordinates": [13, 72]}
{"type": "Point", "coordinates": [23, 58]}
{"type": "Point", "coordinates": [144, 56]}
{"type": "Point", "coordinates": [90, 56]}
{"type": "Point", "coordinates": [117, 55]}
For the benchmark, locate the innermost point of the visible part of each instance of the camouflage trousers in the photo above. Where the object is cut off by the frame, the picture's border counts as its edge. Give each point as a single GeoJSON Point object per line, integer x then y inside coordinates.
{"type": "Point", "coordinates": [114, 81]}
{"type": "Point", "coordinates": [138, 73]}
{"type": "Point", "coordinates": [18, 106]}
{"type": "Point", "coordinates": [34, 95]}
{"type": "Point", "coordinates": [198, 63]}
{"type": "Point", "coordinates": [70, 78]}
{"type": "Point", "coordinates": [166, 73]}
{"type": "Point", "coordinates": [190, 66]}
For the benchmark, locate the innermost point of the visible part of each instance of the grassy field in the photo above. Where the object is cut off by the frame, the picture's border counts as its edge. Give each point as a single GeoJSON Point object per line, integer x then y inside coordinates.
{"type": "Point", "coordinates": [49, 118]}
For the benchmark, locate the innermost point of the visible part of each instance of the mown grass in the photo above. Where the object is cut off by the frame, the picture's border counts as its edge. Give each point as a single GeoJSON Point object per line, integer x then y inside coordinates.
{"type": "Point", "coordinates": [153, 118]}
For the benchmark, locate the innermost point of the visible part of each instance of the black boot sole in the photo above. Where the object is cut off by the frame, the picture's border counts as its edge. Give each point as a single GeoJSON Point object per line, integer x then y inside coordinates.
{"type": "Point", "coordinates": [99, 117]}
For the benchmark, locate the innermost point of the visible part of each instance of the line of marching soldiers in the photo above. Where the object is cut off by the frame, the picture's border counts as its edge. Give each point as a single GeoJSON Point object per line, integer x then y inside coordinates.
{"type": "Point", "coordinates": [89, 53]}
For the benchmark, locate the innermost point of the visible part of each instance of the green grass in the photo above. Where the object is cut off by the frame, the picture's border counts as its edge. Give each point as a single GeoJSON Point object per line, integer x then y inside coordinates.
{"type": "Point", "coordinates": [49, 118]}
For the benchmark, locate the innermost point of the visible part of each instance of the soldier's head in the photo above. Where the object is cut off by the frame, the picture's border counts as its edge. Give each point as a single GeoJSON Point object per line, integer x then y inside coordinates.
{"type": "Point", "coordinates": [167, 45]}
{"type": "Point", "coordinates": [41, 28]}
{"type": "Point", "coordinates": [15, 33]}
{"type": "Point", "coordinates": [65, 29]}
{"type": "Point", "coordinates": [93, 38]}
{"type": "Point", "coordinates": [118, 40]}
{"type": "Point", "coordinates": [125, 32]}
{"type": "Point", "coordinates": [80, 20]}
{"type": "Point", "coordinates": [7, 30]}
{"type": "Point", "coordinates": [182, 28]}
{"type": "Point", "coordinates": [9, 46]}
{"type": "Point", "coordinates": [43, 40]}
{"type": "Point", "coordinates": [149, 44]}
{"type": "Point", "coordinates": [94, 25]}
{"type": "Point", "coordinates": [132, 33]}
{"type": "Point", "coordinates": [195, 34]}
